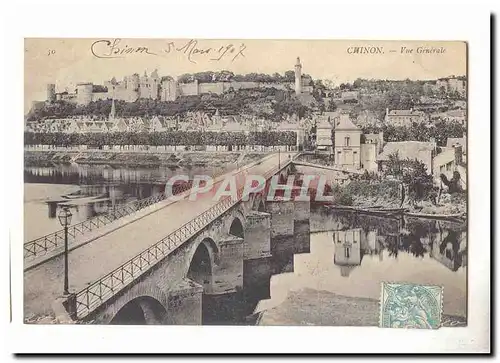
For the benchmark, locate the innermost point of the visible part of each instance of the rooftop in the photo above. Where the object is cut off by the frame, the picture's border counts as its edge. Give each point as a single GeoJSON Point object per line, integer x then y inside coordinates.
{"type": "Point", "coordinates": [406, 149]}
{"type": "Point", "coordinates": [344, 123]}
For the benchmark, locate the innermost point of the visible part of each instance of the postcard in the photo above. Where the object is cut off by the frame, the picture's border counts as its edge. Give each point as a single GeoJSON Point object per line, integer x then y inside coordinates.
{"type": "Point", "coordinates": [246, 182]}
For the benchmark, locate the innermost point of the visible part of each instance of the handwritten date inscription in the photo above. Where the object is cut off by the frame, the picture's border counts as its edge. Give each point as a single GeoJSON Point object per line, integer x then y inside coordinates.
{"type": "Point", "coordinates": [116, 48]}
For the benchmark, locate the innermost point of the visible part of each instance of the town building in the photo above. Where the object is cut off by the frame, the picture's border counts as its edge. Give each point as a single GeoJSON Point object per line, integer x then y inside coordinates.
{"type": "Point", "coordinates": [449, 162]}
{"type": "Point", "coordinates": [347, 146]}
{"type": "Point", "coordinates": [447, 85]}
{"type": "Point", "coordinates": [413, 150]}
{"type": "Point", "coordinates": [324, 136]}
{"type": "Point", "coordinates": [350, 97]}
{"type": "Point", "coordinates": [459, 116]}
{"type": "Point", "coordinates": [351, 150]}
{"type": "Point", "coordinates": [404, 117]}
{"type": "Point", "coordinates": [458, 141]}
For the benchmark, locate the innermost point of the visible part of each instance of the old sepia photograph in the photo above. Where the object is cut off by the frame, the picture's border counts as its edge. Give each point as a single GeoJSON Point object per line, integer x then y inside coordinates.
{"type": "Point", "coordinates": [245, 182]}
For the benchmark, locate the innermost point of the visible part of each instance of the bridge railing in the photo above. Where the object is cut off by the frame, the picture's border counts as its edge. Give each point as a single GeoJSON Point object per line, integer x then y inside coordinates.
{"type": "Point", "coordinates": [42, 245]}
{"type": "Point", "coordinates": [98, 292]}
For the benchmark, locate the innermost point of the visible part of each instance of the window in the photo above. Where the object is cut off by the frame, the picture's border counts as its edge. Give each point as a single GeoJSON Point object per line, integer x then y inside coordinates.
{"type": "Point", "coordinates": [448, 166]}
{"type": "Point", "coordinates": [347, 252]}
{"type": "Point", "coordinates": [346, 140]}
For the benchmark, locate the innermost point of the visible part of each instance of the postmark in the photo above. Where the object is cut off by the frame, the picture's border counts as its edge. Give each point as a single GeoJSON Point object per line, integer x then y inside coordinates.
{"type": "Point", "coordinates": [406, 305]}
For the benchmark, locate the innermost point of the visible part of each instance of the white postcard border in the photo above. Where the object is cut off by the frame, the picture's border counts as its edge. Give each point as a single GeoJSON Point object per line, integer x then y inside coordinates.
{"type": "Point", "coordinates": [424, 20]}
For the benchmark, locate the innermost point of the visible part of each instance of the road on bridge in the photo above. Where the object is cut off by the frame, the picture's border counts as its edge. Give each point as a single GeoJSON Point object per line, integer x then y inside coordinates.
{"type": "Point", "coordinates": [44, 283]}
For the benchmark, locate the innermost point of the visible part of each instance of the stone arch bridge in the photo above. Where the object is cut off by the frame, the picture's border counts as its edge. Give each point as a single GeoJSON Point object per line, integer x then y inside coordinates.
{"type": "Point", "coordinates": [210, 255]}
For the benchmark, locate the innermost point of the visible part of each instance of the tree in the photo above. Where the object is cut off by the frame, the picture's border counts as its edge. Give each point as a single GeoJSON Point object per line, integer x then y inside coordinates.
{"type": "Point", "coordinates": [289, 76]}
{"type": "Point", "coordinates": [332, 107]}
{"type": "Point", "coordinates": [413, 175]}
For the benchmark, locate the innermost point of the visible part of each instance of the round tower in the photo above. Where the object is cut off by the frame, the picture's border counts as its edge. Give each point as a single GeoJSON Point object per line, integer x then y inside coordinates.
{"type": "Point", "coordinates": [298, 77]}
{"type": "Point", "coordinates": [51, 92]}
{"type": "Point", "coordinates": [84, 93]}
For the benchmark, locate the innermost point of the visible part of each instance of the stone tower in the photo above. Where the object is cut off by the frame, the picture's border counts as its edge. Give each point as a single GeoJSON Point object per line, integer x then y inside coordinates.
{"type": "Point", "coordinates": [51, 92]}
{"type": "Point", "coordinates": [113, 110]}
{"type": "Point", "coordinates": [298, 77]}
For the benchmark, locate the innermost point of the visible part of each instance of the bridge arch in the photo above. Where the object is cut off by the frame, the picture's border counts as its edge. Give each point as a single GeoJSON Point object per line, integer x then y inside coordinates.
{"type": "Point", "coordinates": [202, 261]}
{"type": "Point", "coordinates": [236, 228]}
{"type": "Point", "coordinates": [146, 294]}
{"type": "Point", "coordinates": [143, 310]}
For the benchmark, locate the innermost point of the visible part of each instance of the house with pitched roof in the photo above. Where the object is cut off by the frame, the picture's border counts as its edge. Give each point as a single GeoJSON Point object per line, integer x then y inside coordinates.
{"type": "Point", "coordinates": [156, 124]}
{"type": "Point", "coordinates": [121, 125]}
{"type": "Point", "coordinates": [347, 145]}
{"type": "Point", "coordinates": [420, 150]}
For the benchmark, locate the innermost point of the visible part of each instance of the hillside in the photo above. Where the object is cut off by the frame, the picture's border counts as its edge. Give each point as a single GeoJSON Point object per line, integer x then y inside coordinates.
{"type": "Point", "coordinates": [269, 103]}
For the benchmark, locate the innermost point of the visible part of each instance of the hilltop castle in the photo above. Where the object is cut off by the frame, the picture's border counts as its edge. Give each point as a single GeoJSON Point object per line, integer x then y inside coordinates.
{"type": "Point", "coordinates": [134, 87]}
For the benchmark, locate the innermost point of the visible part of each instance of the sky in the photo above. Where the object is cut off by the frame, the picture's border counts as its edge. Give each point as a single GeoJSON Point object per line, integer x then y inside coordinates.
{"type": "Point", "coordinates": [67, 61]}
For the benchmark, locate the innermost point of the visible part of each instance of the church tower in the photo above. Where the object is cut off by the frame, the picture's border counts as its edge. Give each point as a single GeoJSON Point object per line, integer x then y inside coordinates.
{"type": "Point", "coordinates": [298, 77]}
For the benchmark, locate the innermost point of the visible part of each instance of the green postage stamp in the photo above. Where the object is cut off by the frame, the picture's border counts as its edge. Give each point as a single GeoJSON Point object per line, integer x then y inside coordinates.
{"type": "Point", "coordinates": [405, 305]}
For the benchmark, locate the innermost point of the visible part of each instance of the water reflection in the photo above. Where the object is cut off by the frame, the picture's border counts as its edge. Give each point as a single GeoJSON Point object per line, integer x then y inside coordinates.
{"type": "Point", "coordinates": [86, 174]}
{"type": "Point", "coordinates": [357, 235]}
{"type": "Point", "coordinates": [350, 256]}
{"type": "Point", "coordinates": [110, 186]}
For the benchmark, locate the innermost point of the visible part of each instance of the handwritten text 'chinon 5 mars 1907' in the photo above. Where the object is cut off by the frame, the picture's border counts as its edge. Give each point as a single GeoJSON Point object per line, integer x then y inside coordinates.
{"type": "Point", "coordinates": [115, 48]}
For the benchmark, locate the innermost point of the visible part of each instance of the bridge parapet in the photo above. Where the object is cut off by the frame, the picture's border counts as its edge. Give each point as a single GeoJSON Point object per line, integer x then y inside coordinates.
{"type": "Point", "coordinates": [53, 243]}
{"type": "Point", "coordinates": [99, 292]}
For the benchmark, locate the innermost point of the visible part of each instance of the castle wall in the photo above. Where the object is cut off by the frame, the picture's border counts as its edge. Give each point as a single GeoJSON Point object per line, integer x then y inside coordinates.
{"type": "Point", "coordinates": [244, 85]}
{"type": "Point", "coordinates": [189, 89]}
{"type": "Point", "coordinates": [217, 88]}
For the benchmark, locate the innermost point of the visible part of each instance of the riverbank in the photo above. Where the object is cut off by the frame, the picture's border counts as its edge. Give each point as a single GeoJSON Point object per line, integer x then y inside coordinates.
{"type": "Point", "coordinates": [309, 307]}
{"type": "Point", "coordinates": [139, 158]}
{"type": "Point", "coordinates": [385, 194]}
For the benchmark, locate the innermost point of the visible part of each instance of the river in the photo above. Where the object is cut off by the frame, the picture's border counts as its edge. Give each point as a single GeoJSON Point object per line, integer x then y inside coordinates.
{"type": "Point", "coordinates": [340, 254]}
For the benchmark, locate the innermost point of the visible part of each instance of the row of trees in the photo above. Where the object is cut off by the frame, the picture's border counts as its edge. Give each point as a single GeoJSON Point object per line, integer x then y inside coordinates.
{"type": "Point", "coordinates": [440, 131]}
{"type": "Point", "coordinates": [175, 138]}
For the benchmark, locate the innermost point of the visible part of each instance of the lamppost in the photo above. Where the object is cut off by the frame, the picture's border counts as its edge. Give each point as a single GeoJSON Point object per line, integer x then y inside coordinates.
{"type": "Point", "coordinates": [65, 220]}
